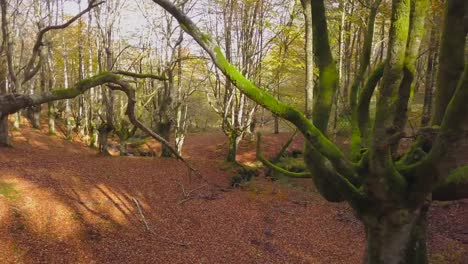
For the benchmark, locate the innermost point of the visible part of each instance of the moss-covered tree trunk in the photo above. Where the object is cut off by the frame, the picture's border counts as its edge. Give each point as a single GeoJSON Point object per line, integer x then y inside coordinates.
{"type": "Point", "coordinates": [399, 237]}
{"type": "Point", "coordinates": [388, 194]}
{"type": "Point", "coordinates": [451, 57]}
{"type": "Point", "coordinates": [232, 147]}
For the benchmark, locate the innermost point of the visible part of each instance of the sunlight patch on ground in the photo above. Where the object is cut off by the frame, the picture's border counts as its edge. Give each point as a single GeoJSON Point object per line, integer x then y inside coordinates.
{"type": "Point", "coordinates": [8, 190]}
{"type": "Point", "coordinates": [43, 213]}
{"type": "Point", "coordinates": [3, 212]}
{"type": "Point", "coordinates": [38, 144]}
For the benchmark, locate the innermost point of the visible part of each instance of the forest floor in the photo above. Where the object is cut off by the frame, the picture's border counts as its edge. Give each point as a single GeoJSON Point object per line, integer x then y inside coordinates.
{"type": "Point", "coordinates": [62, 203]}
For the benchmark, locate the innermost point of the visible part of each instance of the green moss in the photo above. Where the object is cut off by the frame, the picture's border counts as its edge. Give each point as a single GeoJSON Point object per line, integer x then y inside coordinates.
{"type": "Point", "coordinates": [295, 167]}
{"type": "Point", "coordinates": [328, 81]}
{"type": "Point", "coordinates": [243, 174]}
{"type": "Point", "coordinates": [311, 133]}
{"type": "Point", "coordinates": [85, 84]}
{"type": "Point", "coordinates": [8, 191]}
{"type": "Point", "coordinates": [66, 93]}
{"type": "Point", "coordinates": [183, 26]}
{"type": "Point", "coordinates": [206, 38]}
{"type": "Point", "coordinates": [458, 176]}
{"type": "Point", "coordinates": [292, 164]}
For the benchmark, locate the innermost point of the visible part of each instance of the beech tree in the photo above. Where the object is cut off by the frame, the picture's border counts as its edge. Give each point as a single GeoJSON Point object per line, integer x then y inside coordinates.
{"type": "Point", "coordinates": [26, 69]}
{"type": "Point", "coordinates": [390, 193]}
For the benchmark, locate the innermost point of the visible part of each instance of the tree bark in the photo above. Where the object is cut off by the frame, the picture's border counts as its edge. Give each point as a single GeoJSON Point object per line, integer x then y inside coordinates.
{"type": "Point", "coordinates": [397, 239]}
{"type": "Point", "coordinates": [232, 148]}
{"type": "Point", "coordinates": [4, 137]}
{"type": "Point", "coordinates": [428, 84]}
{"type": "Point", "coordinates": [451, 56]}
{"type": "Point", "coordinates": [309, 89]}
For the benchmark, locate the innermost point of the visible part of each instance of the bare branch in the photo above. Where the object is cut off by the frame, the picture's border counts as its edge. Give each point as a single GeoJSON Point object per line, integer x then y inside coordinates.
{"type": "Point", "coordinates": [31, 68]}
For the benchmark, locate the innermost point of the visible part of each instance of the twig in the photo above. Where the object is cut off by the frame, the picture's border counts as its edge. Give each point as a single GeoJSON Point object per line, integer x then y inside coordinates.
{"type": "Point", "coordinates": [141, 213]}
{"type": "Point", "coordinates": [151, 231]}
{"type": "Point", "coordinates": [188, 195]}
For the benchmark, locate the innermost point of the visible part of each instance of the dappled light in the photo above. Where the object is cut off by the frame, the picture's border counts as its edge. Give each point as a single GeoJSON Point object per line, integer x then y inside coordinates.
{"type": "Point", "coordinates": [234, 131]}
{"type": "Point", "coordinates": [82, 205]}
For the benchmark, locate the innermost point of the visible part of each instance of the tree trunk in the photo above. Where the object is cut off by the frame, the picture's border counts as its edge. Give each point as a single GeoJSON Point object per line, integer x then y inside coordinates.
{"type": "Point", "coordinates": [4, 138]}
{"type": "Point", "coordinates": [164, 129]}
{"type": "Point", "coordinates": [428, 89]}
{"type": "Point", "coordinates": [104, 131]}
{"type": "Point", "coordinates": [309, 89]}
{"type": "Point", "coordinates": [232, 148]}
{"type": "Point", "coordinates": [16, 123]}
{"type": "Point", "coordinates": [398, 238]}
{"type": "Point", "coordinates": [36, 117]}
{"type": "Point", "coordinates": [51, 114]}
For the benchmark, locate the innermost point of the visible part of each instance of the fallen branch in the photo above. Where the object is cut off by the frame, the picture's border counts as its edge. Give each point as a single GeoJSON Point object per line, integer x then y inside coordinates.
{"type": "Point", "coordinates": [13, 102]}
{"type": "Point", "coordinates": [188, 195]}
{"type": "Point", "coordinates": [151, 231]}
{"type": "Point", "coordinates": [141, 213]}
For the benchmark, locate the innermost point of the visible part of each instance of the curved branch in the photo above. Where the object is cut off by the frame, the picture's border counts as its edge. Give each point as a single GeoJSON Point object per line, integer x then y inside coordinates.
{"type": "Point", "coordinates": [365, 57]}
{"type": "Point", "coordinates": [425, 171]}
{"type": "Point", "coordinates": [311, 133]}
{"type": "Point", "coordinates": [275, 167]}
{"type": "Point", "coordinates": [123, 86]}
{"type": "Point", "coordinates": [416, 32]}
{"type": "Point", "coordinates": [381, 162]}
{"type": "Point", "coordinates": [328, 73]}
{"type": "Point", "coordinates": [361, 128]}
{"type": "Point", "coordinates": [285, 147]}
{"type": "Point", "coordinates": [32, 68]}
{"type": "Point", "coordinates": [454, 187]}
{"type": "Point", "coordinates": [11, 103]}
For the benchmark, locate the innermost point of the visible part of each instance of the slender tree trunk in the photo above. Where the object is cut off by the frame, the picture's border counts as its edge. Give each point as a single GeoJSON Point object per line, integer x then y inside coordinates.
{"type": "Point", "coordinates": [309, 88]}
{"type": "Point", "coordinates": [164, 130]}
{"type": "Point", "coordinates": [93, 141]}
{"type": "Point", "coordinates": [4, 137]}
{"type": "Point", "coordinates": [51, 115]}
{"type": "Point", "coordinates": [428, 89]}
{"type": "Point", "coordinates": [234, 140]}
{"type": "Point", "coordinates": [341, 44]}
{"type": "Point", "coordinates": [68, 115]}
{"type": "Point", "coordinates": [276, 118]}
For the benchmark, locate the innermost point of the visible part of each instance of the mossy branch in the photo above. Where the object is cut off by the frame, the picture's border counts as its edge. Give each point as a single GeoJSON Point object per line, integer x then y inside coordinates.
{"type": "Point", "coordinates": [416, 32]}
{"type": "Point", "coordinates": [311, 133]}
{"type": "Point", "coordinates": [328, 73]}
{"type": "Point", "coordinates": [142, 75]}
{"type": "Point", "coordinates": [365, 57]}
{"type": "Point", "coordinates": [451, 130]}
{"type": "Point", "coordinates": [454, 187]}
{"type": "Point", "coordinates": [361, 116]}
{"type": "Point", "coordinates": [11, 103]}
{"type": "Point", "coordinates": [275, 167]}
{"type": "Point", "coordinates": [451, 59]}
{"type": "Point", "coordinates": [285, 147]}
{"type": "Point", "coordinates": [381, 161]}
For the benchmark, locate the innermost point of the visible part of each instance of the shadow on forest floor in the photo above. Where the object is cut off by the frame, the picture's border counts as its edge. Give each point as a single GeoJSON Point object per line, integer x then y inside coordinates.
{"type": "Point", "coordinates": [62, 203]}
